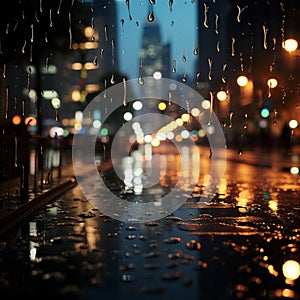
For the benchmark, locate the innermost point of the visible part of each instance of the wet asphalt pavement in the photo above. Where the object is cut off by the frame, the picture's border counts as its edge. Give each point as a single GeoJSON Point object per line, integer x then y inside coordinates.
{"type": "Point", "coordinates": [231, 247]}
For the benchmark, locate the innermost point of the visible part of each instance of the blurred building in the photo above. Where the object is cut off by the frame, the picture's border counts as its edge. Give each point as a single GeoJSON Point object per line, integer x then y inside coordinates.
{"type": "Point", "coordinates": [244, 38]}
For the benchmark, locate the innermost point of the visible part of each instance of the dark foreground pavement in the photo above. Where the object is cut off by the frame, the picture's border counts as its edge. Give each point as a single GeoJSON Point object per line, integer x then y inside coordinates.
{"type": "Point", "coordinates": [232, 247]}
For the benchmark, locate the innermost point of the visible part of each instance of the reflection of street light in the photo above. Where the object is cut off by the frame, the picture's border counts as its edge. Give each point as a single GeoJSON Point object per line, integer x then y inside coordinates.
{"type": "Point", "coordinates": [242, 80]}
{"type": "Point", "coordinates": [290, 45]}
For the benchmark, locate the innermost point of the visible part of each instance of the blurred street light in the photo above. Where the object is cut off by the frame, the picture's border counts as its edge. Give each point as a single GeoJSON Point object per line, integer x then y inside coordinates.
{"type": "Point", "coordinates": [221, 95]}
{"type": "Point", "coordinates": [272, 83]}
{"type": "Point", "coordinates": [290, 45]}
{"type": "Point", "coordinates": [242, 80]}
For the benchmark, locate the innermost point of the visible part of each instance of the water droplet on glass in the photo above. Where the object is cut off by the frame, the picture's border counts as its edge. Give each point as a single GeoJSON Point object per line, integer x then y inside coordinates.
{"type": "Point", "coordinates": [124, 92]}
{"type": "Point", "coordinates": [106, 33]}
{"type": "Point", "coordinates": [205, 15]}
{"type": "Point", "coordinates": [183, 56]}
{"type": "Point", "coordinates": [216, 24]}
{"type": "Point", "coordinates": [232, 46]}
{"type": "Point", "coordinates": [184, 77]}
{"type": "Point", "coordinates": [196, 51]}
{"type": "Point", "coordinates": [59, 6]}
{"type": "Point", "coordinates": [265, 31]}
{"type": "Point", "coordinates": [171, 5]}
{"type": "Point", "coordinates": [95, 61]}
{"type": "Point", "coordinates": [240, 10]}
{"type": "Point", "coordinates": [209, 60]}
{"type": "Point", "coordinates": [174, 66]}
{"type": "Point", "coordinates": [128, 8]}
{"type": "Point", "coordinates": [150, 16]}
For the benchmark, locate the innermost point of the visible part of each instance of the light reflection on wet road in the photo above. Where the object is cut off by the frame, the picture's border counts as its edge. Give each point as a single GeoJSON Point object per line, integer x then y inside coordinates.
{"type": "Point", "coordinates": [233, 247]}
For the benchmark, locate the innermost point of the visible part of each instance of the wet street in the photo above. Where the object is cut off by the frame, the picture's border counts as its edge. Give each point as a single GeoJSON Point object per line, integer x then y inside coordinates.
{"type": "Point", "coordinates": [243, 243]}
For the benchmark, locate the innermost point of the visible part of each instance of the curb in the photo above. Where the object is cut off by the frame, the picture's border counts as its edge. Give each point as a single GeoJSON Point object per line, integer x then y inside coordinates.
{"type": "Point", "coordinates": [26, 209]}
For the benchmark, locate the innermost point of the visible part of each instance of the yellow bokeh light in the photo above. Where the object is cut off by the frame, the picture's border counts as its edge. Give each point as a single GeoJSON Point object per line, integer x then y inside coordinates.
{"type": "Point", "coordinates": [290, 45]}
{"type": "Point", "coordinates": [291, 269]}
{"type": "Point", "coordinates": [242, 80]}
{"type": "Point", "coordinates": [293, 124]}
{"type": "Point", "coordinates": [272, 83]}
{"type": "Point", "coordinates": [185, 117]}
{"type": "Point", "coordinates": [195, 112]}
{"type": "Point", "coordinates": [179, 122]}
{"type": "Point", "coordinates": [162, 106]}
{"type": "Point", "coordinates": [155, 142]}
{"type": "Point", "coordinates": [221, 95]}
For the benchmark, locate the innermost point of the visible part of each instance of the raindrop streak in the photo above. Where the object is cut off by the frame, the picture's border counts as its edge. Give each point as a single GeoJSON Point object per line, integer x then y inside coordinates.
{"type": "Point", "coordinates": [171, 5]}
{"type": "Point", "coordinates": [240, 151]}
{"type": "Point", "coordinates": [59, 6]}
{"type": "Point", "coordinates": [251, 58]}
{"type": "Point", "coordinates": [223, 76]}
{"type": "Point", "coordinates": [124, 92]}
{"type": "Point", "coordinates": [170, 97]}
{"type": "Point", "coordinates": [230, 119]}
{"type": "Point", "coordinates": [46, 37]}
{"type": "Point", "coordinates": [56, 115]}
{"type": "Point", "coordinates": [30, 54]}
{"type": "Point", "coordinates": [47, 63]}
{"type": "Point", "coordinates": [101, 52]}
{"type": "Point", "coordinates": [218, 46]}
{"type": "Point", "coordinates": [141, 79]}
{"type": "Point", "coordinates": [211, 107]}
{"type": "Point", "coordinates": [50, 17]}
{"type": "Point", "coordinates": [113, 51]}
{"type": "Point", "coordinates": [151, 14]}
{"type": "Point", "coordinates": [93, 22]}
{"type": "Point", "coordinates": [70, 31]}
{"type": "Point", "coordinates": [24, 45]}
{"type": "Point", "coordinates": [31, 40]}
{"type": "Point", "coordinates": [16, 152]}
{"type": "Point", "coordinates": [265, 31]}
{"type": "Point", "coordinates": [216, 24]}
{"type": "Point", "coordinates": [112, 79]}
{"type": "Point", "coordinates": [29, 80]}
{"type": "Point", "coordinates": [241, 61]}
{"type": "Point", "coordinates": [232, 46]}
{"type": "Point", "coordinates": [240, 10]}
{"type": "Point", "coordinates": [174, 66]}
{"type": "Point", "coordinates": [205, 15]}
{"type": "Point", "coordinates": [105, 33]}
{"type": "Point", "coordinates": [23, 107]}
{"type": "Point", "coordinates": [95, 61]}
{"type": "Point", "coordinates": [6, 102]}
{"type": "Point", "coordinates": [4, 71]}
{"type": "Point", "coordinates": [275, 117]}
{"type": "Point", "coordinates": [196, 51]}
{"type": "Point", "coordinates": [122, 22]}
{"type": "Point", "coordinates": [105, 86]}
{"type": "Point", "coordinates": [15, 104]}
{"type": "Point", "coordinates": [246, 122]}
{"type": "Point", "coordinates": [184, 77]}
{"type": "Point", "coordinates": [274, 43]}
{"type": "Point", "coordinates": [128, 8]}
{"type": "Point", "coordinates": [41, 6]}
{"type": "Point", "coordinates": [36, 17]}
{"type": "Point", "coordinates": [209, 66]}
{"type": "Point", "coordinates": [183, 56]}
